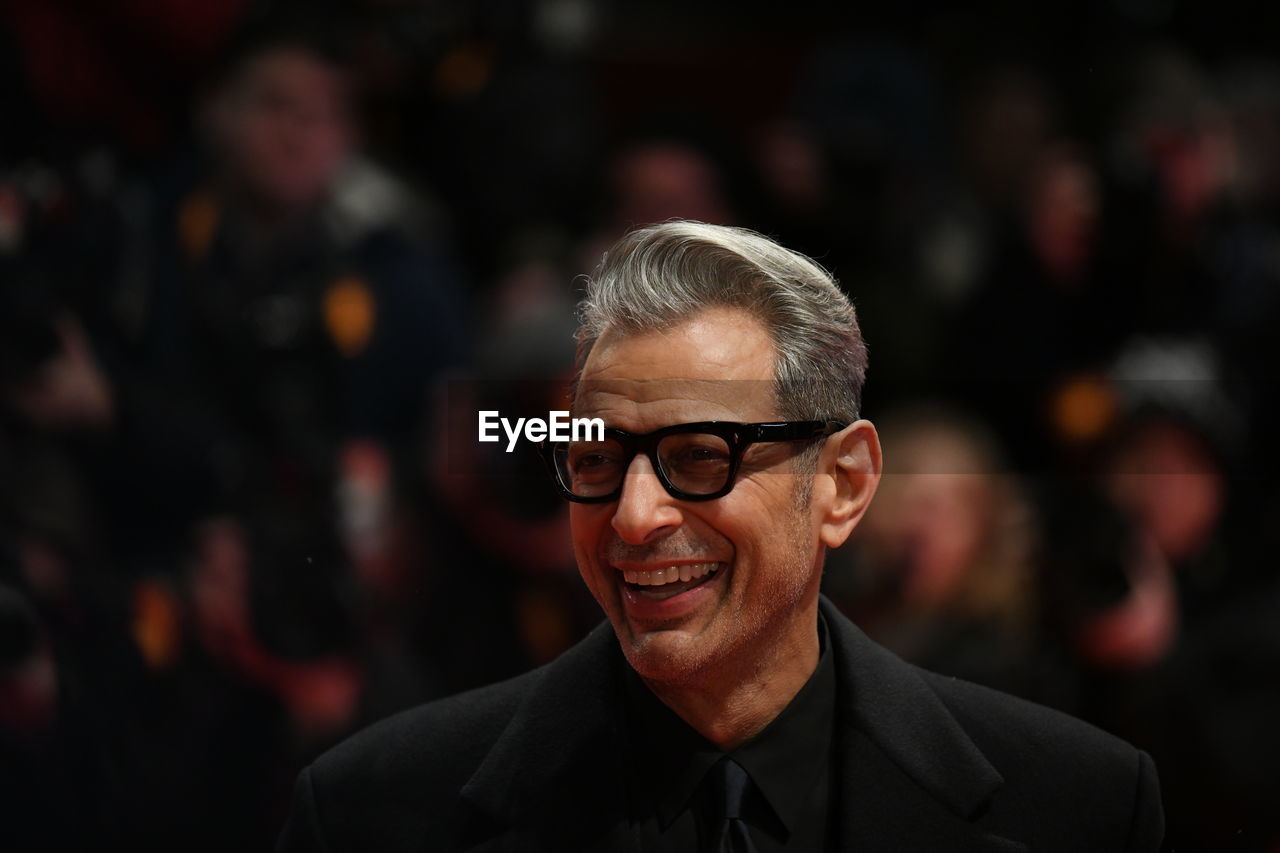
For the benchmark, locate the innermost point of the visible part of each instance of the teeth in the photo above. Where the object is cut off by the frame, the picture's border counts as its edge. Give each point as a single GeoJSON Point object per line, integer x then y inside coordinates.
{"type": "Point", "coordinates": [670, 574]}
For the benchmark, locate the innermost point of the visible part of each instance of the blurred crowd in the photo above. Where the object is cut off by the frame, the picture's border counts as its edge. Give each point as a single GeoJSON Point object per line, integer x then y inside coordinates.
{"type": "Point", "coordinates": [262, 263]}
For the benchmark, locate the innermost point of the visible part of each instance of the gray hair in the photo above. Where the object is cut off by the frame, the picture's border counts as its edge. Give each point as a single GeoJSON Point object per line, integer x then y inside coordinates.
{"type": "Point", "coordinates": [655, 277]}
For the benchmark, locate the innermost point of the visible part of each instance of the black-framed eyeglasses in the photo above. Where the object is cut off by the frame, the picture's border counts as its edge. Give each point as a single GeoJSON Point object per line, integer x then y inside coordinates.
{"type": "Point", "coordinates": [694, 462]}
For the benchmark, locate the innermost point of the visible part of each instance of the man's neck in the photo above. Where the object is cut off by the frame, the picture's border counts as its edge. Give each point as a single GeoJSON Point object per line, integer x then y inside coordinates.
{"type": "Point", "coordinates": [735, 705]}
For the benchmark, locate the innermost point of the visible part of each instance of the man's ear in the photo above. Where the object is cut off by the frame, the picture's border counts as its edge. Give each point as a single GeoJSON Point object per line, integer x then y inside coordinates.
{"type": "Point", "coordinates": [853, 460]}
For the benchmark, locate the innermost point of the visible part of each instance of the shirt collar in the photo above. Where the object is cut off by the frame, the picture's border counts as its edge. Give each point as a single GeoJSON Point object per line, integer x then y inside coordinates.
{"type": "Point", "coordinates": [784, 761]}
{"type": "Point", "coordinates": [669, 758]}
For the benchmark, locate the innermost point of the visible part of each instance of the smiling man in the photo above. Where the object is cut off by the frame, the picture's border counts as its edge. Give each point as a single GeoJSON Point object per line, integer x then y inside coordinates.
{"type": "Point", "coordinates": [726, 705]}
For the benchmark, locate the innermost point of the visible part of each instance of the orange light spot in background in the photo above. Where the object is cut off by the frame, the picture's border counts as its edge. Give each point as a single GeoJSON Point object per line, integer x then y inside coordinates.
{"type": "Point", "coordinates": [197, 223]}
{"type": "Point", "coordinates": [156, 626]}
{"type": "Point", "coordinates": [1082, 409]}
{"type": "Point", "coordinates": [349, 315]}
{"type": "Point", "coordinates": [464, 72]}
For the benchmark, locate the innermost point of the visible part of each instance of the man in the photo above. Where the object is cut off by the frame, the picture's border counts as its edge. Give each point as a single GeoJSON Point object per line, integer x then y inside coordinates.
{"type": "Point", "coordinates": [730, 707]}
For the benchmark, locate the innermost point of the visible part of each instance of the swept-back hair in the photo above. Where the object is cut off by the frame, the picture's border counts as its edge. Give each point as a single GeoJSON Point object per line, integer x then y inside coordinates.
{"type": "Point", "coordinates": [656, 277]}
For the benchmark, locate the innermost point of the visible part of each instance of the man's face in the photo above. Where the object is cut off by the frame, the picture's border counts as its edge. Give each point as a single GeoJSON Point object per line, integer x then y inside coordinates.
{"type": "Point", "coordinates": [761, 539]}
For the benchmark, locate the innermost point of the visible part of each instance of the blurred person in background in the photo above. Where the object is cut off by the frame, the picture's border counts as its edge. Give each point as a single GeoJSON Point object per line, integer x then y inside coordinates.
{"type": "Point", "coordinates": [1163, 458]}
{"type": "Point", "coordinates": [1157, 592]}
{"type": "Point", "coordinates": [1043, 290]}
{"type": "Point", "coordinates": [50, 781]}
{"type": "Point", "coordinates": [202, 449]}
{"type": "Point", "coordinates": [663, 168]}
{"type": "Point", "coordinates": [133, 723]}
{"type": "Point", "coordinates": [655, 180]}
{"type": "Point", "coordinates": [64, 640]}
{"type": "Point", "coordinates": [856, 175]}
{"type": "Point", "coordinates": [941, 571]}
{"type": "Point", "coordinates": [520, 604]}
{"type": "Point", "coordinates": [294, 318]}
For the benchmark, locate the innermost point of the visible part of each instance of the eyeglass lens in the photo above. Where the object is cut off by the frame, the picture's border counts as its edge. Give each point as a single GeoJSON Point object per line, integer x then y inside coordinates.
{"type": "Point", "coordinates": [695, 463]}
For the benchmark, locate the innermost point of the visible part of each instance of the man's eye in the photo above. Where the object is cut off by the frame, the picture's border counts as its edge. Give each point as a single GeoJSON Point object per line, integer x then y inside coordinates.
{"type": "Point", "coordinates": [699, 456]}
{"type": "Point", "coordinates": [594, 460]}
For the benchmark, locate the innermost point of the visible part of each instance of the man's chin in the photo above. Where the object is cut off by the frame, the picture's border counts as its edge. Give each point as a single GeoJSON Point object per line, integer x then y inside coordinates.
{"type": "Point", "coordinates": [670, 656]}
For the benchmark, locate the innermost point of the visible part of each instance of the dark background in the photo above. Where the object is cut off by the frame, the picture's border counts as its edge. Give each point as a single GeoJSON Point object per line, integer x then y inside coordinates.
{"type": "Point", "coordinates": [261, 263]}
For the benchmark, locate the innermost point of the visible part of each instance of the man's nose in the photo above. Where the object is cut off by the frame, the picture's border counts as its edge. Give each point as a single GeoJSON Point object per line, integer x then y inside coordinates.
{"type": "Point", "coordinates": [645, 509]}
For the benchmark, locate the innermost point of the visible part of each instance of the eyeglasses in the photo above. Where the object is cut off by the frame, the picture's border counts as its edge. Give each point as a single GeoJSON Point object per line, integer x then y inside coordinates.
{"type": "Point", "coordinates": [694, 462]}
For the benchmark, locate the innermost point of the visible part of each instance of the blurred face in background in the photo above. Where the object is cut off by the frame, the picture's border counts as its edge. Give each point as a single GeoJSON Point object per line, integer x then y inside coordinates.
{"type": "Point", "coordinates": [1166, 479]}
{"type": "Point", "coordinates": [1063, 210]}
{"type": "Point", "coordinates": [284, 128]}
{"type": "Point", "coordinates": [659, 181]}
{"type": "Point", "coordinates": [1004, 126]}
{"type": "Point", "coordinates": [933, 513]}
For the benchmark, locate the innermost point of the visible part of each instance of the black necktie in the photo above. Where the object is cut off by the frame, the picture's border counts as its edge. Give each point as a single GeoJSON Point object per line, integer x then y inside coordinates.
{"type": "Point", "coordinates": [729, 784]}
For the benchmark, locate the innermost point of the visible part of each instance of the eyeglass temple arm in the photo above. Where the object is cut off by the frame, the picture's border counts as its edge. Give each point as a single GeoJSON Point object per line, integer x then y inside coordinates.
{"type": "Point", "coordinates": [793, 431]}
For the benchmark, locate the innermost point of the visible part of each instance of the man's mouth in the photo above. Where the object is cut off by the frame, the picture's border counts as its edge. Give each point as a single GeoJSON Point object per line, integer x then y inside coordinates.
{"type": "Point", "coordinates": [671, 580]}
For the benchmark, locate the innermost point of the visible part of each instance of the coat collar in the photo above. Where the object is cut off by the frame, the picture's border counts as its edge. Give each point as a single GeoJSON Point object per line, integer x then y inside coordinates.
{"type": "Point", "coordinates": [558, 765]}
{"type": "Point", "coordinates": [910, 777]}
{"type": "Point", "coordinates": [556, 771]}
{"type": "Point", "coordinates": [888, 699]}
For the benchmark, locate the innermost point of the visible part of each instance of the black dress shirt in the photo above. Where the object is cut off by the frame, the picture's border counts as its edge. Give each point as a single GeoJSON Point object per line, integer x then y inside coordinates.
{"type": "Point", "coordinates": [789, 765]}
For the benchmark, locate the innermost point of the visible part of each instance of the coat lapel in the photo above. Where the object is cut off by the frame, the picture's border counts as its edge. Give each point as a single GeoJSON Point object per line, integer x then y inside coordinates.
{"type": "Point", "coordinates": [555, 777]}
{"type": "Point", "coordinates": [909, 777]}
